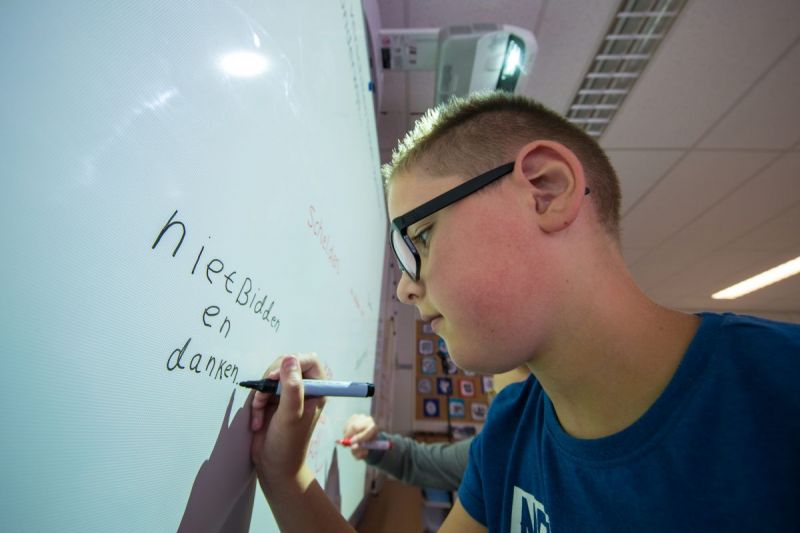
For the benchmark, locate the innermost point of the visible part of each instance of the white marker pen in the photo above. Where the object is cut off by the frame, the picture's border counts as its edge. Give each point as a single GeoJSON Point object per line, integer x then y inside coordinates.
{"type": "Point", "coordinates": [316, 387]}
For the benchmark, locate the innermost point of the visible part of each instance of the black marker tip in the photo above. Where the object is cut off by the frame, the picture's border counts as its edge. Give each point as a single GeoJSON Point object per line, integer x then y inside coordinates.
{"type": "Point", "coordinates": [263, 385]}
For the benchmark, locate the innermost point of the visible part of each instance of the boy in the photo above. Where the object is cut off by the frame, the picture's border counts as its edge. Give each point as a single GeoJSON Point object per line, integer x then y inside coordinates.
{"type": "Point", "coordinates": [636, 417]}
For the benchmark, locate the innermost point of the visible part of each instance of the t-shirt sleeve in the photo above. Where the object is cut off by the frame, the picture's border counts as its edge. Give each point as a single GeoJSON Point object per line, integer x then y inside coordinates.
{"type": "Point", "coordinates": [471, 491]}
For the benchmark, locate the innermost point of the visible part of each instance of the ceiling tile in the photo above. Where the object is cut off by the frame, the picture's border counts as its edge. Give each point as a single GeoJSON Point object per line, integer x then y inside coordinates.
{"type": "Point", "coordinates": [782, 232]}
{"type": "Point", "coordinates": [638, 170]}
{"type": "Point", "coordinates": [711, 271]}
{"type": "Point", "coordinates": [393, 13]}
{"type": "Point", "coordinates": [651, 269]}
{"type": "Point", "coordinates": [696, 183]}
{"type": "Point", "coordinates": [758, 200]}
{"type": "Point", "coordinates": [755, 305]}
{"type": "Point", "coordinates": [769, 116]}
{"type": "Point", "coordinates": [631, 255]}
{"type": "Point", "coordinates": [783, 296]}
{"type": "Point", "coordinates": [427, 13]}
{"type": "Point", "coordinates": [715, 51]}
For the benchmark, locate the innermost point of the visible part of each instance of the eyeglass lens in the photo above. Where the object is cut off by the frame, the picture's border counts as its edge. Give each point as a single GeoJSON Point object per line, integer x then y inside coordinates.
{"type": "Point", "coordinates": [403, 254]}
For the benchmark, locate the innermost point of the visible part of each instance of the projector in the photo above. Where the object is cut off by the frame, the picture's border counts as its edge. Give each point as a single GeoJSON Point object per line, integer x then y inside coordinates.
{"type": "Point", "coordinates": [466, 59]}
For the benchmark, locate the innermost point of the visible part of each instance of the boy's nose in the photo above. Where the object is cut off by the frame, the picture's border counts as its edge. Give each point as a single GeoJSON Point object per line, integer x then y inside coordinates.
{"type": "Point", "coordinates": [408, 290]}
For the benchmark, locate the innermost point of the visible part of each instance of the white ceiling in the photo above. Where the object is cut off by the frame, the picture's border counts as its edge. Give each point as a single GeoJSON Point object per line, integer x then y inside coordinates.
{"type": "Point", "coordinates": [707, 145]}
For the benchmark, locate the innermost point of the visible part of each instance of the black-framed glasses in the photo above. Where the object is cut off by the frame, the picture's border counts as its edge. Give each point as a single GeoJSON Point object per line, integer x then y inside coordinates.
{"type": "Point", "coordinates": [407, 255]}
{"type": "Point", "coordinates": [403, 246]}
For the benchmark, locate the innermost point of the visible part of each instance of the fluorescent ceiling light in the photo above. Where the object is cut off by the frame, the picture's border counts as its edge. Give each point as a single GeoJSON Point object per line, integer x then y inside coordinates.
{"type": "Point", "coordinates": [773, 275]}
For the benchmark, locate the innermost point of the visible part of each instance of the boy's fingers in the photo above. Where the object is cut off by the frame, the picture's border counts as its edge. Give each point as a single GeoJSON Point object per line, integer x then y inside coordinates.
{"type": "Point", "coordinates": [261, 399]}
{"type": "Point", "coordinates": [314, 406]}
{"type": "Point", "coordinates": [310, 366]}
{"type": "Point", "coordinates": [259, 407]}
{"type": "Point", "coordinates": [290, 370]}
{"type": "Point", "coordinates": [259, 403]}
{"type": "Point", "coordinates": [290, 406]}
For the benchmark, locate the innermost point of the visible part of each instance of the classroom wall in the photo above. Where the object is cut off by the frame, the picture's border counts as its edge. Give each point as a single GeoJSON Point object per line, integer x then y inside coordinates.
{"type": "Point", "coordinates": [405, 351]}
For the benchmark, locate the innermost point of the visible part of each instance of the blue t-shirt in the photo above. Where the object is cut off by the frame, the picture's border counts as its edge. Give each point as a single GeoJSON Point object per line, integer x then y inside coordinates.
{"type": "Point", "coordinates": [719, 450]}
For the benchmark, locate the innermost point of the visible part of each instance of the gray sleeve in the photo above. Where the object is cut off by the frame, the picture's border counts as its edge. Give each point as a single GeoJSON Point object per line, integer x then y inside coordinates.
{"type": "Point", "coordinates": [436, 466]}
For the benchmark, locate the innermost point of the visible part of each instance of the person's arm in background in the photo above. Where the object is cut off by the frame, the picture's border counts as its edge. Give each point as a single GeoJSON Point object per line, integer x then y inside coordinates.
{"type": "Point", "coordinates": [408, 459]}
{"type": "Point", "coordinates": [436, 466]}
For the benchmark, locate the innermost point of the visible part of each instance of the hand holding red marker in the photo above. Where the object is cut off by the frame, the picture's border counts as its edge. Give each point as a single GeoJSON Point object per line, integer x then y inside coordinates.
{"type": "Point", "coordinates": [359, 432]}
{"type": "Point", "coordinates": [370, 445]}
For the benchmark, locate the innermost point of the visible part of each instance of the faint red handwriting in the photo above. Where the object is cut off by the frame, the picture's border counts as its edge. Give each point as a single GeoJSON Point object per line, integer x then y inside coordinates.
{"type": "Point", "coordinates": [321, 232]}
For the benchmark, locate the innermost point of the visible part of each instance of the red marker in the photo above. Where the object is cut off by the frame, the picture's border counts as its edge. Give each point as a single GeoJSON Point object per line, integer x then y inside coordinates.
{"type": "Point", "coordinates": [371, 445]}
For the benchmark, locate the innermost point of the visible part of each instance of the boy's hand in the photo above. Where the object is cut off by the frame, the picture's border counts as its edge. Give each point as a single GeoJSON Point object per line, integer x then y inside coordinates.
{"type": "Point", "coordinates": [282, 425]}
{"type": "Point", "coordinates": [360, 428]}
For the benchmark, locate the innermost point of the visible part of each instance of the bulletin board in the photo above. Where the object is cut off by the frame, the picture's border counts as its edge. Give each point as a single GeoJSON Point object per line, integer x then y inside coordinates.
{"type": "Point", "coordinates": [441, 388]}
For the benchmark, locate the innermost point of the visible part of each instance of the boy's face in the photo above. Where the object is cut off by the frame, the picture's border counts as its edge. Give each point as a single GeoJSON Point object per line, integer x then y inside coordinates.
{"type": "Point", "coordinates": [483, 272]}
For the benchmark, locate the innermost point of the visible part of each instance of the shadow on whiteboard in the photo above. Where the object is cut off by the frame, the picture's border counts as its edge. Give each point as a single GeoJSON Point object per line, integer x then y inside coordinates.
{"type": "Point", "coordinates": [332, 483]}
{"type": "Point", "coordinates": [224, 489]}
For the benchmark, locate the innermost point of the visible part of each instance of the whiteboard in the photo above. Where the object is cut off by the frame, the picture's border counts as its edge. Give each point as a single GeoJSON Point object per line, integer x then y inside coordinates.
{"type": "Point", "coordinates": [190, 189]}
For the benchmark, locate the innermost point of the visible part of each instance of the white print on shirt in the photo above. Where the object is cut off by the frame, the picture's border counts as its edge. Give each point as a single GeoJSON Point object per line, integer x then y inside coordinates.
{"type": "Point", "coordinates": [528, 514]}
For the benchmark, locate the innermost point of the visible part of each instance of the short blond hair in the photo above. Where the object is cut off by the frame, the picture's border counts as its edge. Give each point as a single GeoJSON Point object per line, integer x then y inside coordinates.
{"type": "Point", "coordinates": [467, 136]}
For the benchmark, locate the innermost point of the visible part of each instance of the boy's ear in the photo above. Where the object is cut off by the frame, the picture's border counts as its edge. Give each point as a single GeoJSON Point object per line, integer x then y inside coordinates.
{"type": "Point", "coordinates": [556, 180]}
